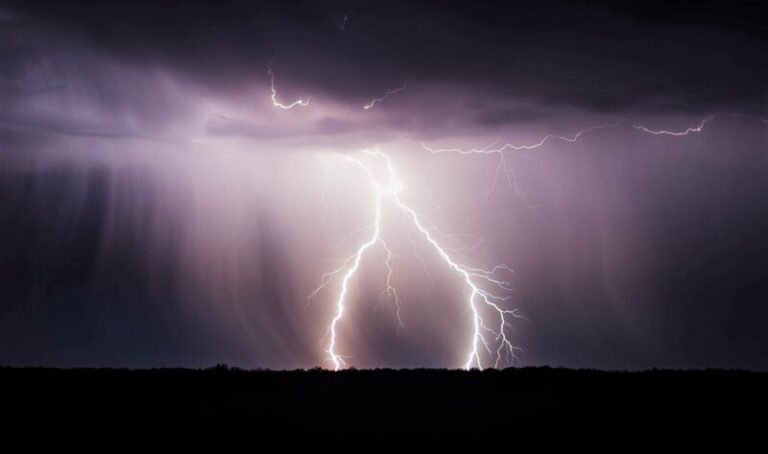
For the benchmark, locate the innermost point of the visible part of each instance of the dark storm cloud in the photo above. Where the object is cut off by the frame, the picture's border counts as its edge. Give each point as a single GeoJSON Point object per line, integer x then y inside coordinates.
{"type": "Point", "coordinates": [576, 54]}
{"type": "Point", "coordinates": [501, 117]}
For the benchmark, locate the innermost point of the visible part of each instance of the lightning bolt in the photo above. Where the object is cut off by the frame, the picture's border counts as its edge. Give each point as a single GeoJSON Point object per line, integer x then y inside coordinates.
{"type": "Point", "coordinates": [375, 101]}
{"type": "Point", "coordinates": [700, 126]}
{"type": "Point", "coordinates": [492, 337]}
{"type": "Point", "coordinates": [343, 22]}
{"type": "Point", "coordinates": [694, 129]}
{"type": "Point", "coordinates": [275, 102]}
{"type": "Point", "coordinates": [390, 290]}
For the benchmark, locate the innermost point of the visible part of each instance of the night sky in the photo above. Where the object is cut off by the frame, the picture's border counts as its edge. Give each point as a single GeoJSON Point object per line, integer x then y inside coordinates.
{"type": "Point", "coordinates": [158, 208]}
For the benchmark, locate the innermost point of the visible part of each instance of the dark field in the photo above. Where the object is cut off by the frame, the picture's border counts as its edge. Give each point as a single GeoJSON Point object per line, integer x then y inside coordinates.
{"type": "Point", "coordinates": [514, 401]}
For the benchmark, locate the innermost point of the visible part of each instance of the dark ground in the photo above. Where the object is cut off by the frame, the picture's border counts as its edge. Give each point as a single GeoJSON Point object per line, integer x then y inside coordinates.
{"type": "Point", "coordinates": [511, 403]}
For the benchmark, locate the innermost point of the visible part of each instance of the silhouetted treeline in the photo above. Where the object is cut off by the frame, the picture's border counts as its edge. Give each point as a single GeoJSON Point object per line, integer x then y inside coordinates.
{"type": "Point", "coordinates": [513, 401]}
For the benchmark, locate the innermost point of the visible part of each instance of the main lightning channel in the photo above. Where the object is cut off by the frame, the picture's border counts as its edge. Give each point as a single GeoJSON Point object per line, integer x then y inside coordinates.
{"type": "Point", "coordinates": [486, 335]}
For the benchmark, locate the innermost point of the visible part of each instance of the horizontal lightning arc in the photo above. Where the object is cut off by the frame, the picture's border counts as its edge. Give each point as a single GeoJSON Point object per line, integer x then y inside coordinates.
{"type": "Point", "coordinates": [579, 134]}
{"type": "Point", "coordinates": [661, 132]}
{"type": "Point", "coordinates": [502, 167]}
{"type": "Point", "coordinates": [700, 126]}
{"type": "Point", "coordinates": [510, 146]}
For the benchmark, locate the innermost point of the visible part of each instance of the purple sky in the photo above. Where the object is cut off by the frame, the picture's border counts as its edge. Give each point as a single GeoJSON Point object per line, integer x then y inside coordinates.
{"type": "Point", "coordinates": [158, 208]}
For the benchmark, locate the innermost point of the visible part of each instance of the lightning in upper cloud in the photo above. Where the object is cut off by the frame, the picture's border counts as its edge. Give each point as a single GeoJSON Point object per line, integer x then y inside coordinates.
{"type": "Point", "coordinates": [483, 284]}
{"type": "Point", "coordinates": [375, 101]}
{"type": "Point", "coordinates": [275, 102]}
{"type": "Point", "coordinates": [344, 20]}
